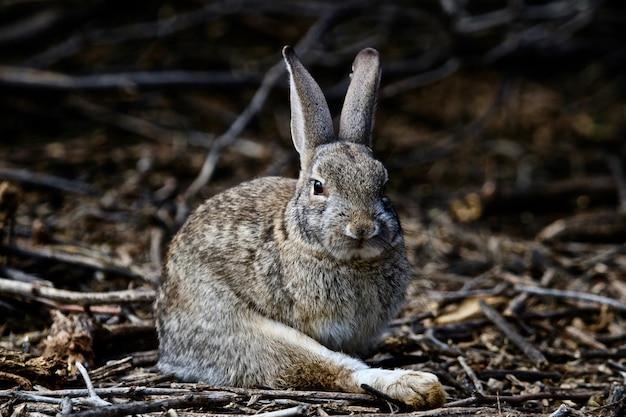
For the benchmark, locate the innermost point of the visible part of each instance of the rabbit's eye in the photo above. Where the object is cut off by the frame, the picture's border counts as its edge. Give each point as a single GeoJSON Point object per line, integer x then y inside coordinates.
{"type": "Point", "coordinates": [318, 188]}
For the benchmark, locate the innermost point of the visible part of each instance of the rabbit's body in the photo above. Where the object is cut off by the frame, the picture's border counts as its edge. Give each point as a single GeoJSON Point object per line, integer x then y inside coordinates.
{"type": "Point", "coordinates": [267, 282]}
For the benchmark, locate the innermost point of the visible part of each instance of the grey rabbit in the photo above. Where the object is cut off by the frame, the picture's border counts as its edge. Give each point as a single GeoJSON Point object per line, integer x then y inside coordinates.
{"type": "Point", "coordinates": [277, 282]}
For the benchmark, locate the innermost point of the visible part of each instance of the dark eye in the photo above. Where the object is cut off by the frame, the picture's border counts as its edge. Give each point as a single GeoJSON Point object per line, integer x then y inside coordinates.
{"type": "Point", "coordinates": [318, 188]}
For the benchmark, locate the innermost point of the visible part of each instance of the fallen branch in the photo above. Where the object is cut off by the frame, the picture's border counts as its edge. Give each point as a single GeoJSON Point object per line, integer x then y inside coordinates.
{"type": "Point", "coordinates": [144, 30]}
{"type": "Point", "coordinates": [82, 257]}
{"type": "Point", "coordinates": [478, 386]}
{"type": "Point", "coordinates": [38, 79]}
{"type": "Point", "coordinates": [25, 176]}
{"type": "Point", "coordinates": [516, 399]}
{"type": "Point", "coordinates": [538, 359]}
{"type": "Point", "coordinates": [32, 290]}
{"type": "Point", "coordinates": [139, 407]}
{"type": "Point", "coordinates": [573, 295]}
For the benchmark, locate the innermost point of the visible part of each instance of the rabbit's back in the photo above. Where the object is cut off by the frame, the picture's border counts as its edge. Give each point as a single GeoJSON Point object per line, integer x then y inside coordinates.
{"type": "Point", "coordinates": [219, 245]}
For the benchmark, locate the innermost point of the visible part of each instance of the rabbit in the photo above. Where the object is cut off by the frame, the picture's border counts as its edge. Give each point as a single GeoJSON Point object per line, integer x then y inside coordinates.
{"type": "Point", "coordinates": [282, 283]}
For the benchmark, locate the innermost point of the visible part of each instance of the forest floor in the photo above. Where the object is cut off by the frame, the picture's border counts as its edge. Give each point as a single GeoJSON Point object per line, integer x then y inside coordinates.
{"type": "Point", "coordinates": [507, 174]}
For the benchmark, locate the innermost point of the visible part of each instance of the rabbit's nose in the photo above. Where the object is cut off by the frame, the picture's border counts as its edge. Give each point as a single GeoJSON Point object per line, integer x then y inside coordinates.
{"type": "Point", "coordinates": [362, 228]}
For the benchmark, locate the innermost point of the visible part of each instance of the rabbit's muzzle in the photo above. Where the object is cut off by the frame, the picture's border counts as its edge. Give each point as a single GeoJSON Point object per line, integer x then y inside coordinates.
{"type": "Point", "coordinates": [362, 228]}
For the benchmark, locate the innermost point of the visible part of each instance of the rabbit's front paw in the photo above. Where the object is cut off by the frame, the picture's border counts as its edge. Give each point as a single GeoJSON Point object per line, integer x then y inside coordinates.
{"type": "Point", "coordinates": [414, 388]}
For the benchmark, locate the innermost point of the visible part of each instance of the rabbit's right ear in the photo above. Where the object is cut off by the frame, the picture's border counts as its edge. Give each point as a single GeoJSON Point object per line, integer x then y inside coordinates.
{"type": "Point", "coordinates": [311, 123]}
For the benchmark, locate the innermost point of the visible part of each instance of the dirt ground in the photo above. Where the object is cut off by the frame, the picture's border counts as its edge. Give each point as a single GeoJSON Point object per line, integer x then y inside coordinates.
{"type": "Point", "coordinates": [501, 127]}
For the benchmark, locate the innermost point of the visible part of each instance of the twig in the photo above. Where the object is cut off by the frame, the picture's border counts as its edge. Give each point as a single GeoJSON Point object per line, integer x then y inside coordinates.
{"type": "Point", "coordinates": [9, 287]}
{"type": "Point", "coordinates": [379, 394]}
{"type": "Point", "coordinates": [66, 407]}
{"type": "Point", "coordinates": [450, 412]}
{"type": "Point", "coordinates": [573, 295]}
{"type": "Point", "coordinates": [16, 274]}
{"type": "Point", "coordinates": [583, 338]}
{"type": "Point", "coordinates": [472, 376]}
{"type": "Point", "coordinates": [271, 78]}
{"type": "Point", "coordinates": [82, 257]}
{"type": "Point", "coordinates": [187, 389]}
{"type": "Point", "coordinates": [516, 399]}
{"type": "Point", "coordinates": [565, 411]}
{"type": "Point", "coordinates": [31, 396]}
{"type": "Point", "coordinates": [145, 30]}
{"type": "Point", "coordinates": [44, 180]}
{"type": "Point", "coordinates": [430, 340]}
{"type": "Point", "coordinates": [529, 350]}
{"type": "Point", "coordinates": [299, 410]}
{"type": "Point", "coordinates": [39, 79]}
{"type": "Point", "coordinates": [465, 294]}
{"type": "Point", "coordinates": [93, 398]}
{"type": "Point", "coordinates": [604, 353]}
{"type": "Point", "coordinates": [519, 374]}
{"type": "Point", "coordinates": [138, 407]}
{"type": "Point", "coordinates": [31, 26]}
{"type": "Point", "coordinates": [448, 68]}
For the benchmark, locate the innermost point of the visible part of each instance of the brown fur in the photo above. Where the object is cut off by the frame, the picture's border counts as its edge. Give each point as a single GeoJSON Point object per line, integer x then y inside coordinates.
{"type": "Point", "coordinates": [266, 283]}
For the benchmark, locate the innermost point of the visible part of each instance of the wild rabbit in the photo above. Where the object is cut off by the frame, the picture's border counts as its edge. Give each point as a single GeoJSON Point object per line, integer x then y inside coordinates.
{"type": "Point", "coordinates": [266, 283]}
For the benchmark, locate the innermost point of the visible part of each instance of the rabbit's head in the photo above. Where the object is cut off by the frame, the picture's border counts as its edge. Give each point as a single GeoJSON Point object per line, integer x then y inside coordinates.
{"type": "Point", "coordinates": [340, 207]}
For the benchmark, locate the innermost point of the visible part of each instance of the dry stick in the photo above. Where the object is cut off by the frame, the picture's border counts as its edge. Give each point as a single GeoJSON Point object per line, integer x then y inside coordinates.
{"type": "Point", "coordinates": [573, 295]}
{"type": "Point", "coordinates": [298, 395]}
{"type": "Point", "coordinates": [135, 392]}
{"type": "Point", "coordinates": [66, 407]}
{"type": "Point", "coordinates": [299, 410]}
{"type": "Point", "coordinates": [138, 407]}
{"type": "Point", "coordinates": [19, 30]}
{"type": "Point", "coordinates": [529, 350]}
{"type": "Point", "coordinates": [446, 412]}
{"type": "Point", "coordinates": [32, 178]}
{"type": "Point", "coordinates": [583, 338]}
{"type": "Point", "coordinates": [10, 287]}
{"type": "Point", "coordinates": [271, 78]}
{"type": "Point", "coordinates": [81, 257]}
{"type": "Point", "coordinates": [93, 399]}
{"type": "Point", "coordinates": [472, 376]}
{"type": "Point", "coordinates": [420, 80]}
{"type": "Point", "coordinates": [430, 340]}
{"type": "Point", "coordinates": [21, 276]}
{"type": "Point", "coordinates": [145, 30]}
{"type": "Point", "coordinates": [40, 79]}
{"type": "Point", "coordinates": [520, 374]}
{"type": "Point", "coordinates": [465, 294]}
{"type": "Point", "coordinates": [516, 399]}
{"type": "Point", "coordinates": [562, 411]}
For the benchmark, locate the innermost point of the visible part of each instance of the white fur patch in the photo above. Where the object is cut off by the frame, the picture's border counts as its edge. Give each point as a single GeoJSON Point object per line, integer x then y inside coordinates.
{"type": "Point", "coordinates": [401, 384]}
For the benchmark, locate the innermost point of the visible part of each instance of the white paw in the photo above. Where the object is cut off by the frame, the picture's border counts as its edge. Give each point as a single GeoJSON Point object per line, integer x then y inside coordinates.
{"type": "Point", "coordinates": [417, 389]}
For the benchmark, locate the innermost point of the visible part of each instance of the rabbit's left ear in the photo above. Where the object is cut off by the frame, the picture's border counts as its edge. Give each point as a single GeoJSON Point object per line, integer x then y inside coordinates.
{"type": "Point", "coordinates": [311, 123]}
{"type": "Point", "coordinates": [357, 114]}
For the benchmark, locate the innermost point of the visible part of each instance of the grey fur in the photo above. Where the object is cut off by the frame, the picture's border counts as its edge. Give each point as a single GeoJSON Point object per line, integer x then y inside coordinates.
{"type": "Point", "coordinates": [267, 282]}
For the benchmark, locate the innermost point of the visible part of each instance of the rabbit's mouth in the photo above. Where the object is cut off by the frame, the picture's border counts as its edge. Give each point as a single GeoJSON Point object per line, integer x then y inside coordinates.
{"type": "Point", "coordinates": [357, 249]}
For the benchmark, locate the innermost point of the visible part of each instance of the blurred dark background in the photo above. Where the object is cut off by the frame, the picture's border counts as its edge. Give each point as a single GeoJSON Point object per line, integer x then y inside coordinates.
{"type": "Point", "coordinates": [503, 114]}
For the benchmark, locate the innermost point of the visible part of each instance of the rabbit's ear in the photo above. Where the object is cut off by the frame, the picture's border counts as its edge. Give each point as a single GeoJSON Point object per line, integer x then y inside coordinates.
{"type": "Point", "coordinates": [357, 114]}
{"type": "Point", "coordinates": [311, 123]}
